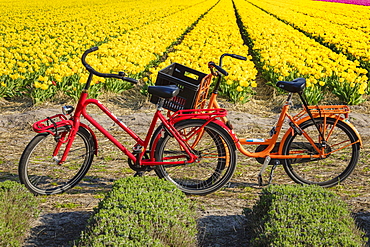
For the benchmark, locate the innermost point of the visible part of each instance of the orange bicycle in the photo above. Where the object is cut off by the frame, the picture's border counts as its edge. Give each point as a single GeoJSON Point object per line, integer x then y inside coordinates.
{"type": "Point", "coordinates": [319, 147]}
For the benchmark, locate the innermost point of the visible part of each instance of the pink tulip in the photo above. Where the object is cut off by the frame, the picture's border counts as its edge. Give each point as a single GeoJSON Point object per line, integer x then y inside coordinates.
{"type": "Point", "coordinates": [358, 2]}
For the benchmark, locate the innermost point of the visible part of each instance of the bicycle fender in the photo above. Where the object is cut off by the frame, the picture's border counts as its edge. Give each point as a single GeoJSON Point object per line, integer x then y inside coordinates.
{"type": "Point", "coordinates": [156, 136]}
{"type": "Point", "coordinates": [228, 130]}
{"type": "Point", "coordinates": [290, 131]}
{"type": "Point", "coordinates": [343, 120]}
{"type": "Point", "coordinates": [216, 121]}
{"type": "Point", "coordinates": [346, 121]}
{"type": "Point", "coordinates": [93, 137]}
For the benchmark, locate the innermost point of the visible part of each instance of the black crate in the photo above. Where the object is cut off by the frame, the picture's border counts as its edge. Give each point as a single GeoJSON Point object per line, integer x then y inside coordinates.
{"type": "Point", "coordinates": [186, 79]}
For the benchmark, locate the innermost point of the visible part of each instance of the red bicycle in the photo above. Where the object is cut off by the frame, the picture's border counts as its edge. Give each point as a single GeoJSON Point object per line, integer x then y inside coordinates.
{"type": "Point", "coordinates": [60, 155]}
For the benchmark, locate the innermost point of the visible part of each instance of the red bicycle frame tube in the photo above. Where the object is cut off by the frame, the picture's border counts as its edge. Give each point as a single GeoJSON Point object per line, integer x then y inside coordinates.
{"type": "Point", "coordinates": [209, 115]}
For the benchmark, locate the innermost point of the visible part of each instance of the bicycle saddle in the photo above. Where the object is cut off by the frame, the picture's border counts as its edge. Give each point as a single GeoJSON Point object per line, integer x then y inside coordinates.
{"type": "Point", "coordinates": [165, 92]}
{"type": "Point", "coordinates": [295, 86]}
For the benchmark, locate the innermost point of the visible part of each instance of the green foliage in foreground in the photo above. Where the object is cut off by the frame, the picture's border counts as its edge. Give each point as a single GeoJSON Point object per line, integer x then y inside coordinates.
{"type": "Point", "coordinates": [142, 211]}
{"type": "Point", "coordinates": [17, 208]}
{"type": "Point", "coordinates": [303, 216]}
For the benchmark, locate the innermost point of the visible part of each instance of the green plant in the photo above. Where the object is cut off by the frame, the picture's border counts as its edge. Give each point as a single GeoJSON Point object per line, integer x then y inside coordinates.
{"type": "Point", "coordinates": [237, 91]}
{"type": "Point", "coordinates": [314, 94]}
{"type": "Point", "coordinates": [349, 92]}
{"type": "Point", "coordinates": [303, 216]}
{"type": "Point", "coordinates": [142, 211]}
{"type": "Point", "coordinates": [116, 86]}
{"type": "Point", "coordinates": [17, 207]}
{"type": "Point", "coordinates": [74, 90]}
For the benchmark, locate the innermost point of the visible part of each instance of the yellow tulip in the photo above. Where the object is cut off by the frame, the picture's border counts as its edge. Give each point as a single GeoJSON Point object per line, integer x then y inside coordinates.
{"type": "Point", "coordinates": [44, 86]}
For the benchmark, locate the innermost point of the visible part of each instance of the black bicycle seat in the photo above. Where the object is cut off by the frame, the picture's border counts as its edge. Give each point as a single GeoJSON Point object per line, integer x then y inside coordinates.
{"type": "Point", "coordinates": [295, 86]}
{"type": "Point", "coordinates": [165, 92]}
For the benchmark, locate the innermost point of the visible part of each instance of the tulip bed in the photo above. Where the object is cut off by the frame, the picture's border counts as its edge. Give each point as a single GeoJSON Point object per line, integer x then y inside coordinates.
{"type": "Point", "coordinates": [215, 34]}
{"type": "Point", "coordinates": [342, 31]}
{"type": "Point", "coordinates": [41, 43]}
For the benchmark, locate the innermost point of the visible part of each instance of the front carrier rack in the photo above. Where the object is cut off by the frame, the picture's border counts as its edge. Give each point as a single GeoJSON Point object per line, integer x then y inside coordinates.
{"type": "Point", "coordinates": [51, 124]}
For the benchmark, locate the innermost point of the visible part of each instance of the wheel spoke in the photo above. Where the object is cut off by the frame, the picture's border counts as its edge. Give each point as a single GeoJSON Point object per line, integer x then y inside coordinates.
{"type": "Point", "coordinates": [339, 155]}
{"type": "Point", "coordinates": [214, 167]}
{"type": "Point", "coordinates": [39, 170]}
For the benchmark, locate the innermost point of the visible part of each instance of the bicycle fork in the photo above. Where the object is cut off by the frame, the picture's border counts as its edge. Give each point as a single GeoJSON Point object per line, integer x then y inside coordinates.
{"type": "Point", "coordinates": [61, 141]}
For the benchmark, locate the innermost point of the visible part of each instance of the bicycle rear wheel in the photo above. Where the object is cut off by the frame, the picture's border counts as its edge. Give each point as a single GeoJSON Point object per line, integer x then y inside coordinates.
{"type": "Point", "coordinates": [343, 153]}
{"type": "Point", "coordinates": [38, 169]}
{"type": "Point", "coordinates": [216, 152]}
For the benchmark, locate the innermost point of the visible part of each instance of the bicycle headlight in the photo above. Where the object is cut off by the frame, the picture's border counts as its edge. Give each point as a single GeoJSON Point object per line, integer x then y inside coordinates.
{"type": "Point", "coordinates": [67, 109]}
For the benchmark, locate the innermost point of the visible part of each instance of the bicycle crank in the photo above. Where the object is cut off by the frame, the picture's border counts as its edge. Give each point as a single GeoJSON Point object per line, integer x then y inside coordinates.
{"type": "Point", "coordinates": [140, 169]}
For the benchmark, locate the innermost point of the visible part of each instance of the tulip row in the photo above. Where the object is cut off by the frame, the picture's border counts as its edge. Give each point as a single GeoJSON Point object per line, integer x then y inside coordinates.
{"type": "Point", "coordinates": [41, 41]}
{"type": "Point", "coordinates": [215, 34]}
{"type": "Point", "coordinates": [286, 53]}
{"type": "Point", "coordinates": [55, 33]}
{"type": "Point", "coordinates": [345, 27]}
{"type": "Point", "coordinates": [136, 50]}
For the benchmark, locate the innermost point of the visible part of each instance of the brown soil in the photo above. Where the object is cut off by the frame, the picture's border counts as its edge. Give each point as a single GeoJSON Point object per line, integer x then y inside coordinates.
{"type": "Point", "coordinates": [221, 221]}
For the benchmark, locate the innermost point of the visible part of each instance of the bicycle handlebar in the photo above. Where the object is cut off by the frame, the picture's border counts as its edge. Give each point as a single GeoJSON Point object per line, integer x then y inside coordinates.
{"type": "Point", "coordinates": [218, 68]}
{"type": "Point", "coordinates": [120, 75]}
{"type": "Point", "coordinates": [233, 56]}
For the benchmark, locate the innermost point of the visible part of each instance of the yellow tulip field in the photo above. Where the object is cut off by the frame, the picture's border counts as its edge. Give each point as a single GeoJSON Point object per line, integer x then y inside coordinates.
{"type": "Point", "coordinates": [41, 43]}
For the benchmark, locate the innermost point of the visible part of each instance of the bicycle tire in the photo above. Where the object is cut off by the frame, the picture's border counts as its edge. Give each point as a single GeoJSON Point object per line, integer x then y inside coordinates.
{"type": "Point", "coordinates": [325, 172]}
{"type": "Point", "coordinates": [216, 164]}
{"type": "Point", "coordinates": [39, 171]}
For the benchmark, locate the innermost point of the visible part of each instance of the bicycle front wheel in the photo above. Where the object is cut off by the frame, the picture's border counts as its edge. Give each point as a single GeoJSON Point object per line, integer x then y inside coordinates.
{"type": "Point", "coordinates": [341, 153]}
{"type": "Point", "coordinates": [39, 170]}
{"type": "Point", "coordinates": [215, 149]}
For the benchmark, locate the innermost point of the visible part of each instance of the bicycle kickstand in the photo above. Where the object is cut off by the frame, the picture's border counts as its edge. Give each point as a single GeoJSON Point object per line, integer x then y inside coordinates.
{"type": "Point", "coordinates": [276, 163]}
{"type": "Point", "coordinates": [265, 164]}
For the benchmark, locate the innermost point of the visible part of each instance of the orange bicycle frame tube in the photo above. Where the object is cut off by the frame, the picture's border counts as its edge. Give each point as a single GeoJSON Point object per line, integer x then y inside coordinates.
{"type": "Point", "coordinates": [317, 111]}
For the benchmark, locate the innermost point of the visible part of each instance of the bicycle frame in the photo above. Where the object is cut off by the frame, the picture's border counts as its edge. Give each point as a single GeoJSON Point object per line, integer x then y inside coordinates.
{"type": "Point", "coordinates": [338, 112]}
{"type": "Point", "coordinates": [141, 144]}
